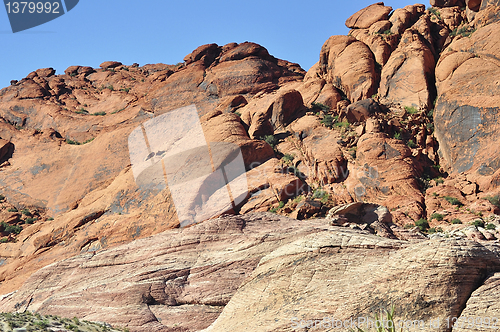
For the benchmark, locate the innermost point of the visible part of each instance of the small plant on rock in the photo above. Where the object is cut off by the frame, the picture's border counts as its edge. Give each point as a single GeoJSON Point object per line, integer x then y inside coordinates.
{"type": "Point", "coordinates": [491, 227]}
{"type": "Point", "coordinates": [495, 200]}
{"type": "Point", "coordinates": [411, 109]}
{"type": "Point", "coordinates": [456, 221]}
{"type": "Point", "coordinates": [453, 200]}
{"type": "Point", "coordinates": [478, 223]}
{"type": "Point", "coordinates": [411, 144]}
{"type": "Point", "coordinates": [422, 224]}
{"type": "Point", "coordinates": [437, 216]}
{"type": "Point", "coordinates": [320, 107]}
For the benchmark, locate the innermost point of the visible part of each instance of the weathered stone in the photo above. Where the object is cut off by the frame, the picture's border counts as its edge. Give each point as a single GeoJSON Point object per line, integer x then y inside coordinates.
{"type": "Point", "coordinates": [367, 16]}
{"type": "Point", "coordinates": [349, 65]}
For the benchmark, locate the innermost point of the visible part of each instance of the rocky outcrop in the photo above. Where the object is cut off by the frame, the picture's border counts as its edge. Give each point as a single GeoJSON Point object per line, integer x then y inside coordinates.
{"type": "Point", "coordinates": [214, 274]}
{"type": "Point", "coordinates": [407, 79]}
{"type": "Point", "coordinates": [467, 104]}
{"type": "Point", "coordinates": [369, 15]}
{"type": "Point", "coordinates": [349, 65]}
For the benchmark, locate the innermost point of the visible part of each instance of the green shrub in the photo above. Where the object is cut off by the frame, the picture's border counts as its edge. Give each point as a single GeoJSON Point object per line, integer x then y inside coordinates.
{"type": "Point", "coordinates": [453, 200]}
{"type": "Point", "coordinates": [397, 135]}
{"type": "Point", "coordinates": [329, 120]}
{"type": "Point", "coordinates": [437, 216]}
{"type": "Point", "coordinates": [411, 109]}
{"type": "Point", "coordinates": [118, 111]}
{"type": "Point", "coordinates": [320, 106]}
{"type": "Point", "coordinates": [456, 221]}
{"type": "Point", "coordinates": [342, 125]}
{"type": "Point", "coordinates": [288, 158]}
{"type": "Point", "coordinates": [82, 111]}
{"type": "Point", "coordinates": [99, 113]}
{"type": "Point", "coordinates": [435, 12]}
{"type": "Point", "coordinates": [26, 212]}
{"type": "Point", "coordinates": [12, 210]}
{"type": "Point", "coordinates": [271, 140]}
{"type": "Point", "coordinates": [435, 230]}
{"type": "Point", "coordinates": [125, 89]}
{"type": "Point", "coordinates": [464, 31]}
{"type": "Point", "coordinates": [238, 114]}
{"type": "Point", "coordinates": [321, 194]}
{"type": "Point", "coordinates": [439, 180]}
{"type": "Point", "coordinates": [412, 144]}
{"type": "Point", "coordinates": [9, 229]}
{"type": "Point", "coordinates": [495, 200]}
{"type": "Point", "coordinates": [281, 205]}
{"type": "Point", "coordinates": [4, 240]}
{"type": "Point", "coordinates": [422, 224]}
{"type": "Point", "coordinates": [110, 87]}
{"type": "Point", "coordinates": [478, 223]}
{"type": "Point", "coordinates": [491, 226]}
{"type": "Point", "coordinates": [50, 219]}
{"type": "Point", "coordinates": [30, 221]}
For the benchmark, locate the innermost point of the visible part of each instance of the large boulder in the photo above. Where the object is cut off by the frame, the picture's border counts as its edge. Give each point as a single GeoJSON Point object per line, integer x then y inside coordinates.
{"type": "Point", "coordinates": [408, 76]}
{"type": "Point", "coordinates": [349, 65]}
{"type": "Point", "coordinates": [372, 178]}
{"type": "Point", "coordinates": [367, 16]}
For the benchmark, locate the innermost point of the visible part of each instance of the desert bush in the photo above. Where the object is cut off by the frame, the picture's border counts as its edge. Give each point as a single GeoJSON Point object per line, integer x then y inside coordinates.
{"type": "Point", "coordinates": [437, 216]}
{"type": "Point", "coordinates": [491, 226]}
{"type": "Point", "coordinates": [478, 223]}
{"type": "Point", "coordinates": [422, 224]}
{"type": "Point", "coordinates": [495, 200]}
{"type": "Point", "coordinates": [456, 221]}
{"type": "Point", "coordinates": [453, 200]}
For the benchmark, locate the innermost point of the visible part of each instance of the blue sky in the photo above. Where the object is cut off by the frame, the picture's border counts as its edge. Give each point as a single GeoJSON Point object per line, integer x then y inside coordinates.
{"type": "Point", "coordinates": [164, 31]}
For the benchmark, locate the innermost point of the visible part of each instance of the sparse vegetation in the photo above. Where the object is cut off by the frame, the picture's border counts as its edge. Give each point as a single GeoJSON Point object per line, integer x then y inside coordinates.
{"type": "Point", "coordinates": [437, 216]}
{"type": "Point", "coordinates": [271, 140]}
{"type": "Point", "coordinates": [82, 111]}
{"type": "Point", "coordinates": [411, 144]}
{"type": "Point", "coordinates": [10, 229]}
{"type": "Point", "coordinates": [70, 141]}
{"type": "Point", "coordinates": [435, 12]}
{"type": "Point", "coordinates": [30, 221]}
{"type": "Point", "coordinates": [435, 230]}
{"type": "Point", "coordinates": [118, 111]}
{"type": "Point", "coordinates": [464, 31]}
{"type": "Point", "coordinates": [397, 135]}
{"type": "Point", "coordinates": [320, 106]}
{"type": "Point", "coordinates": [288, 158]}
{"type": "Point", "coordinates": [453, 200]}
{"type": "Point", "coordinates": [422, 224]}
{"type": "Point", "coordinates": [491, 227]}
{"type": "Point", "coordinates": [329, 120]}
{"type": "Point", "coordinates": [237, 113]}
{"type": "Point", "coordinates": [411, 110]}
{"type": "Point", "coordinates": [12, 210]}
{"type": "Point", "coordinates": [495, 200]}
{"type": "Point", "coordinates": [321, 194]}
{"type": "Point", "coordinates": [439, 180]}
{"type": "Point", "coordinates": [125, 90]}
{"type": "Point", "coordinates": [34, 322]}
{"type": "Point", "coordinates": [99, 113]}
{"type": "Point", "coordinates": [387, 323]}
{"type": "Point", "coordinates": [26, 212]}
{"type": "Point", "coordinates": [478, 223]}
{"type": "Point", "coordinates": [456, 221]}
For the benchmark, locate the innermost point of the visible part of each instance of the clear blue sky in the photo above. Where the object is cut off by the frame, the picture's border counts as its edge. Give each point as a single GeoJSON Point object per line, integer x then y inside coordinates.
{"type": "Point", "coordinates": [164, 31]}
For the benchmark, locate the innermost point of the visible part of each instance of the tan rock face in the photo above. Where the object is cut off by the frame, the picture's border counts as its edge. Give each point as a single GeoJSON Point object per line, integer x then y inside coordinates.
{"type": "Point", "coordinates": [367, 16]}
{"type": "Point", "coordinates": [349, 65]}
